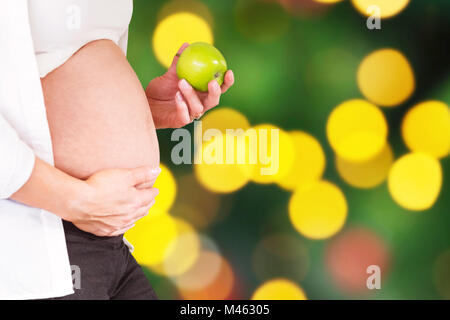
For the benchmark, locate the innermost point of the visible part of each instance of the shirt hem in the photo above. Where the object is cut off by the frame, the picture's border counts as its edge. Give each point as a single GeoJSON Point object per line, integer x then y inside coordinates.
{"type": "Point", "coordinates": [50, 60]}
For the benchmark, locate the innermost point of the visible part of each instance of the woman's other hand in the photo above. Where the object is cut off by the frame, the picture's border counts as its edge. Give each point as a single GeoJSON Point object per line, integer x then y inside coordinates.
{"type": "Point", "coordinates": [174, 103]}
{"type": "Point", "coordinates": [114, 200]}
{"type": "Point", "coordinates": [106, 204]}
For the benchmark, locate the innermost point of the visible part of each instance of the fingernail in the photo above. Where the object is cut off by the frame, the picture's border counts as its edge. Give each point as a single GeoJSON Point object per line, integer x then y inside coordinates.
{"type": "Point", "coordinates": [184, 84]}
{"type": "Point", "coordinates": [155, 170]}
{"type": "Point", "coordinates": [216, 85]}
{"type": "Point", "coordinates": [178, 96]}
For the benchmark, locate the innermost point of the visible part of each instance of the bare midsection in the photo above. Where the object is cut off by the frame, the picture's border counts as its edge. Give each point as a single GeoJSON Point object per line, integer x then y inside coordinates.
{"type": "Point", "coordinates": [98, 114]}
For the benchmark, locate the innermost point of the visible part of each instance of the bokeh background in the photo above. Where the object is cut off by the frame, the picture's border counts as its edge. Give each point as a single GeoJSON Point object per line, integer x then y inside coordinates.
{"type": "Point", "coordinates": [364, 166]}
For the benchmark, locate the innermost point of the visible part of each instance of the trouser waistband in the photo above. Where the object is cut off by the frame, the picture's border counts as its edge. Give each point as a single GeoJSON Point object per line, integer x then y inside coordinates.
{"type": "Point", "coordinates": [70, 228]}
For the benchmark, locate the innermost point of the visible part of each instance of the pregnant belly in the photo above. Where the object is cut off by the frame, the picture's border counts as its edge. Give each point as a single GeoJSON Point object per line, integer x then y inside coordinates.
{"type": "Point", "coordinates": [98, 114]}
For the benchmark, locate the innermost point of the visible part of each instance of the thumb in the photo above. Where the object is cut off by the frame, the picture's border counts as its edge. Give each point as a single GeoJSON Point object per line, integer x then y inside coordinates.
{"type": "Point", "coordinates": [143, 175]}
{"type": "Point", "coordinates": [173, 66]}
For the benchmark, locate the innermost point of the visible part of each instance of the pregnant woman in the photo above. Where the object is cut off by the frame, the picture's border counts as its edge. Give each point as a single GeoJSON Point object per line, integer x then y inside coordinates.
{"type": "Point", "coordinates": [103, 131]}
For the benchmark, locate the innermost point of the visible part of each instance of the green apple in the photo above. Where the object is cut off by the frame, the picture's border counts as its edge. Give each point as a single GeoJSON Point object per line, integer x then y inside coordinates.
{"type": "Point", "coordinates": [200, 63]}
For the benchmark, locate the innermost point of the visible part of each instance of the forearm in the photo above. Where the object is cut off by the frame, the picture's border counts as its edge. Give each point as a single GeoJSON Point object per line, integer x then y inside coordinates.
{"type": "Point", "coordinates": [51, 189]}
{"type": "Point", "coordinates": [107, 204]}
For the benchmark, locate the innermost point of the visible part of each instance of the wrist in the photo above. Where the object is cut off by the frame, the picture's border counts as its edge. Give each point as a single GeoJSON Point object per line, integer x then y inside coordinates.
{"type": "Point", "coordinates": [76, 205]}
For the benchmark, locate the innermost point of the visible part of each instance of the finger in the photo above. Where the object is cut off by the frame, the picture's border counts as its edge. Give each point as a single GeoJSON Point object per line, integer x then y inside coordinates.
{"type": "Point", "coordinates": [145, 185]}
{"type": "Point", "coordinates": [190, 96]}
{"type": "Point", "coordinates": [213, 97]}
{"type": "Point", "coordinates": [143, 175]}
{"type": "Point", "coordinates": [146, 196]}
{"type": "Point", "coordinates": [101, 229]}
{"type": "Point", "coordinates": [135, 216]}
{"type": "Point", "coordinates": [144, 211]}
{"type": "Point", "coordinates": [182, 109]}
{"type": "Point", "coordinates": [228, 81]}
{"type": "Point", "coordinates": [177, 55]}
{"type": "Point", "coordinates": [121, 231]}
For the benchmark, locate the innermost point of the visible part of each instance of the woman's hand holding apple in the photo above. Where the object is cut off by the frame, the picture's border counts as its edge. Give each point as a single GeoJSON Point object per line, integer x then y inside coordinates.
{"type": "Point", "coordinates": [175, 103]}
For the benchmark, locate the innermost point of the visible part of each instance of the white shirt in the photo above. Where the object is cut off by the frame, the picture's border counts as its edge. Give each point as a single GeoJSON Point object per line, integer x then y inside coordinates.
{"type": "Point", "coordinates": [33, 256]}
{"type": "Point", "coordinates": [59, 28]}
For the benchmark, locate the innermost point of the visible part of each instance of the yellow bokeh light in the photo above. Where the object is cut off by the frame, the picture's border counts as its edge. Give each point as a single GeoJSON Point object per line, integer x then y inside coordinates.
{"type": "Point", "coordinates": [357, 130]}
{"type": "Point", "coordinates": [167, 187]}
{"type": "Point", "coordinates": [223, 177]}
{"type": "Point", "coordinates": [224, 118]}
{"type": "Point", "coordinates": [387, 8]}
{"type": "Point", "coordinates": [386, 78]}
{"type": "Point", "coordinates": [176, 29]}
{"type": "Point", "coordinates": [152, 237]}
{"type": "Point", "coordinates": [366, 174]}
{"type": "Point", "coordinates": [426, 128]}
{"type": "Point", "coordinates": [415, 181]}
{"type": "Point", "coordinates": [309, 161]}
{"type": "Point", "coordinates": [181, 252]}
{"type": "Point", "coordinates": [274, 167]}
{"type": "Point", "coordinates": [227, 173]}
{"type": "Point", "coordinates": [279, 289]}
{"type": "Point", "coordinates": [318, 210]}
{"type": "Point", "coordinates": [192, 6]}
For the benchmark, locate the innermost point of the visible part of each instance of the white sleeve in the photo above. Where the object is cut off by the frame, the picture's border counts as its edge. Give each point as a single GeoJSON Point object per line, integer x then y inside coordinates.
{"type": "Point", "coordinates": [16, 160]}
{"type": "Point", "coordinates": [123, 42]}
{"type": "Point", "coordinates": [16, 157]}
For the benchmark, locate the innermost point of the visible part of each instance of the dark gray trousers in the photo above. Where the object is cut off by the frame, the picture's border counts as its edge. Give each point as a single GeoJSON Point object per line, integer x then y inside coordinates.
{"type": "Point", "coordinates": [103, 268]}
